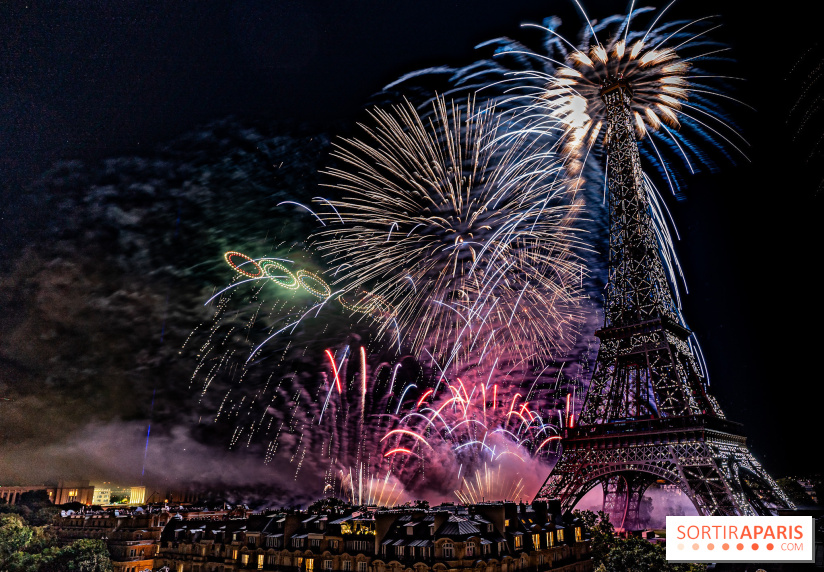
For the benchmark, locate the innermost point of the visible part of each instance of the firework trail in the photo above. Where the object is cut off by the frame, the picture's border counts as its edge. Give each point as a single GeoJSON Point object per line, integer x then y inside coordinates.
{"type": "Point", "coordinates": [468, 246]}
{"type": "Point", "coordinates": [806, 116]}
{"type": "Point", "coordinates": [473, 252]}
{"type": "Point", "coordinates": [676, 107]}
{"type": "Point", "coordinates": [468, 260]}
{"type": "Point", "coordinates": [268, 376]}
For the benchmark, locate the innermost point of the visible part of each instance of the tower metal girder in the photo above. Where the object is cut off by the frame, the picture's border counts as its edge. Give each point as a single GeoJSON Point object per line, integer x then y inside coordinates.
{"type": "Point", "coordinates": [647, 415]}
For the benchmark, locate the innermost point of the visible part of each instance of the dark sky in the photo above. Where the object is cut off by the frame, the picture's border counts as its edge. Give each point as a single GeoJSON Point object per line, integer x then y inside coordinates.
{"type": "Point", "coordinates": [90, 80]}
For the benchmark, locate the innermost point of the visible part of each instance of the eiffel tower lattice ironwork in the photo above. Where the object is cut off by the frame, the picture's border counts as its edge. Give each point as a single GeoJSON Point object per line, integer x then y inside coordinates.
{"type": "Point", "coordinates": [647, 415]}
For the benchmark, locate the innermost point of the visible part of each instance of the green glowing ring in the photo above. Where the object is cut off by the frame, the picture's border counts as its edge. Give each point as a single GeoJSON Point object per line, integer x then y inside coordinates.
{"type": "Point", "coordinates": [324, 293]}
{"type": "Point", "coordinates": [293, 284]}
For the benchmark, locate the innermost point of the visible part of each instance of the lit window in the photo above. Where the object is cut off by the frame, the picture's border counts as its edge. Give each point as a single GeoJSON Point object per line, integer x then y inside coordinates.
{"type": "Point", "coordinates": [260, 562]}
{"type": "Point", "coordinates": [245, 559]}
{"type": "Point", "coordinates": [536, 541]}
{"type": "Point", "coordinates": [518, 541]}
{"type": "Point", "coordinates": [310, 564]}
{"type": "Point", "coordinates": [560, 535]}
{"type": "Point", "coordinates": [578, 535]}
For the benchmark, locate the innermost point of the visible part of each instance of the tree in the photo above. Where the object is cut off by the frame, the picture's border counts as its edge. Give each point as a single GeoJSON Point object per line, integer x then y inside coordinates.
{"type": "Point", "coordinates": [34, 500]}
{"type": "Point", "coordinates": [43, 516]}
{"type": "Point", "coordinates": [601, 531]}
{"type": "Point", "coordinates": [613, 554]}
{"type": "Point", "coordinates": [14, 536]}
{"type": "Point", "coordinates": [34, 549]}
{"type": "Point", "coordinates": [84, 555]}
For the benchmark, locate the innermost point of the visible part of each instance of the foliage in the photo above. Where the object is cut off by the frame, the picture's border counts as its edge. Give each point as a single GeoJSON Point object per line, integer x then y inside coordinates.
{"type": "Point", "coordinates": [42, 516]}
{"type": "Point", "coordinates": [328, 504]}
{"type": "Point", "coordinates": [34, 500]}
{"type": "Point", "coordinates": [14, 536]}
{"type": "Point", "coordinates": [33, 549]}
{"type": "Point", "coordinates": [84, 555]}
{"type": "Point", "coordinates": [613, 554]}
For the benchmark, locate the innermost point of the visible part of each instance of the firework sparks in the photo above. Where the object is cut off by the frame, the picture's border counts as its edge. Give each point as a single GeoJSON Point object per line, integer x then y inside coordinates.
{"type": "Point", "coordinates": [464, 243]}
{"type": "Point", "coordinates": [657, 64]}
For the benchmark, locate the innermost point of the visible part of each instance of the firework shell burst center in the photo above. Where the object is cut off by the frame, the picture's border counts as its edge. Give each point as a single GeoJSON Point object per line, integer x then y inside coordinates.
{"type": "Point", "coordinates": [467, 241]}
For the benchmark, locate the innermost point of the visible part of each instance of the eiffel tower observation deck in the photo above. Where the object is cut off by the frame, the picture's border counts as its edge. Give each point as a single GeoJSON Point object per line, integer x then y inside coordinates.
{"type": "Point", "coordinates": [647, 416]}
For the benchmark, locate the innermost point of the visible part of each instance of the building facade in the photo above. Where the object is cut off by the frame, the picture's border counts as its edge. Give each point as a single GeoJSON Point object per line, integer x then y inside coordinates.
{"type": "Point", "coordinates": [60, 493]}
{"type": "Point", "coordinates": [132, 540]}
{"type": "Point", "coordinates": [491, 537]}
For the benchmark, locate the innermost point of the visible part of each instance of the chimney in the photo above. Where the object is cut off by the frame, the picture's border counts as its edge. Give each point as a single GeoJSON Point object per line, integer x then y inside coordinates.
{"type": "Point", "coordinates": [440, 519]}
{"type": "Point", "coordinates": [541, 511]}
{"type": "Point", "coordinates": [511, 514]}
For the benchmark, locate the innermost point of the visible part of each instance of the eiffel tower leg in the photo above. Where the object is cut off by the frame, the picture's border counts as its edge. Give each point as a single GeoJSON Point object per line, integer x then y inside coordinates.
{"type": "Point", "coordinates": [623, 493]}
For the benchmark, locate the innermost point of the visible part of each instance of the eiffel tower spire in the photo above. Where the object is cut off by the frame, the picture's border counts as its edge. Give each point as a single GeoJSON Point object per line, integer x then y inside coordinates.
{"type": "Point", "coordinates": [647, 415]}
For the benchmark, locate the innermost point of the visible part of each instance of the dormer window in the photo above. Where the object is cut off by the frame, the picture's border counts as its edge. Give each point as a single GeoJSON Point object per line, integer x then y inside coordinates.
{"type": "Point", "coordinates": [448, 550]}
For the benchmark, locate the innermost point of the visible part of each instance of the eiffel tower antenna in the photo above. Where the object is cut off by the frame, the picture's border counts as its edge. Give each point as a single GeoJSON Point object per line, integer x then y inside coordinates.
{"type": "Point", "coordinates": [647, 415]}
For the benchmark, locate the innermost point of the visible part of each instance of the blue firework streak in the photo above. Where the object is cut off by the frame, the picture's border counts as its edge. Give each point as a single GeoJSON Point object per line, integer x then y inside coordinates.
{"type": "Point", "coordinates": [676, 97]}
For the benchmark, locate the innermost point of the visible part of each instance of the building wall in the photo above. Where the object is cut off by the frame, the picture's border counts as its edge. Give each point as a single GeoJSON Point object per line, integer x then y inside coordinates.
{"type": "Point", "coordinates": [61, 493]}
{"type": "Point", "coordinates": [137, 495]}
{"type": "Point", "coordinates": [132, 540]}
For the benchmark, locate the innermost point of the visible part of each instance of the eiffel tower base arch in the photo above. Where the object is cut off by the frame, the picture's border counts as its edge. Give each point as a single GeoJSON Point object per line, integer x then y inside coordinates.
{"type": "Point", "coordinates": [704, 457]}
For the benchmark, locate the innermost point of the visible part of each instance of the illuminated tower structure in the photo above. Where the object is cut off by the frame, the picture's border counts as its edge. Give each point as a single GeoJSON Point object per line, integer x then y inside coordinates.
{"type": "Point", "coordinates": [647, 415]}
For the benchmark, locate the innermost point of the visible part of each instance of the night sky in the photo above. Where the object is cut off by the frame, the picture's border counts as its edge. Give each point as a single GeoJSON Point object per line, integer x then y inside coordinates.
{"type": "Point", "coordinates": [89, 81]}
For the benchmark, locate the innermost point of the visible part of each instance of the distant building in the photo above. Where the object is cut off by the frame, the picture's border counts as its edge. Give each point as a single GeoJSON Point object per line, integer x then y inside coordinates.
{"type": "Point", "coordinates": [60, 493]}
{"type": "Point", "coordinates": [137, 495]}
{"type": "Point", "coordinates": [102, 495]}
{"type": "Point", "coordinates": [132, 540]}
{"type": "Point", "coordinates": [490, 537]}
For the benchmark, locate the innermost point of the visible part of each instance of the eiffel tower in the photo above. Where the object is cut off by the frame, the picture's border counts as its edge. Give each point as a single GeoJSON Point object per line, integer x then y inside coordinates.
{"type": "Point", "coordinates": [647, 416]}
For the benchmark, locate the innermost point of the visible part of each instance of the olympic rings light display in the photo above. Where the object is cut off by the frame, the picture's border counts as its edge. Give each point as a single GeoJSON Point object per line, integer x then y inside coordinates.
{"type": "Point", "coordinates": [310, 282]}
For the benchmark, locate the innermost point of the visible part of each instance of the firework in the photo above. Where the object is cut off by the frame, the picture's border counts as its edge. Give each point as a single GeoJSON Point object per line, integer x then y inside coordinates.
{"type": "Point", "coordinates": [806, 116]}
{"type": "Point", "coordinates": [660, 66]}
{"type": "Point", "coordinates": [469, 247]}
